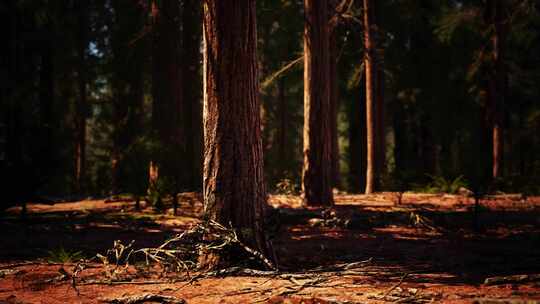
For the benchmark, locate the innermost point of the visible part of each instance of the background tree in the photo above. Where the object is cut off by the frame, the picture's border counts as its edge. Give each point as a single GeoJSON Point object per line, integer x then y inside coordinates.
{"type": "Point", "coordinates": [127, 84]}
{"type": "Point", "coordinates": [317, 170]}
{"type": "Point", "coordinates": [371, 90]}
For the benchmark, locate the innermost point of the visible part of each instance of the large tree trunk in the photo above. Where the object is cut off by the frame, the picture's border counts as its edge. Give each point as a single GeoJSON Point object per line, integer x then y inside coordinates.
{"type": "Point", "coordinates": [233, 185]}
{"type": "Point", "coordinates": [317, 169]}
{"type": "Point", "coordinates": [371, 74]}
{"type": "Point", "coordinates": [192, 91]}
{"type": "Point", "coordinates": [80, 137]}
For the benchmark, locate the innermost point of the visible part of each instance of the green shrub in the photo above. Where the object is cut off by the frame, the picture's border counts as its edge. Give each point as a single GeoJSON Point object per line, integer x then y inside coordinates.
{"type": "Point", "coordinates": [440, 184]}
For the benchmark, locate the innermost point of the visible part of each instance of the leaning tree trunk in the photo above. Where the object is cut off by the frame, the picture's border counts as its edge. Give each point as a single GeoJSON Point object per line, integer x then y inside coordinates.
{"type": "Point", "coordinates": [370, 66]}
{"type": "Point", "coordinates": [233, 183]}
{"type": "Point", "coordinates": [317, 170]}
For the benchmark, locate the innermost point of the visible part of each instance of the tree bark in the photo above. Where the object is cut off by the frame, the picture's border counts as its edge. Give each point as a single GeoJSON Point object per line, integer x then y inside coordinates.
{"type": "Point", "coordinates": [371, 72]}
{"type": "Point", "coordinates": [233, 184]}
{"type": "Point", "coordinates": [317, 169]}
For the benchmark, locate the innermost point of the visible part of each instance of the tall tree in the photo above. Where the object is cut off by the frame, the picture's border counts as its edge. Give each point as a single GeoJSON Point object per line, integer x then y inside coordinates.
{"type": "Point", "coordinates": [334, 94]}
{"type": "Point", "coordinates": [371, 89]}
{"type": "Point", "coordinates": [127, 82]}
{"type": "Point", "coordinates": [167, 90]}
{"type": "Point", "coordinates": [494, 17]}
{"type": "Point", "coordinates": [81, 105]}
{"type": "Point", "coordinates": [380, 133]}
{"type": "Point", "coordinates": [317, 169]}
{"type": "Point", "coordinates": [233, 188]}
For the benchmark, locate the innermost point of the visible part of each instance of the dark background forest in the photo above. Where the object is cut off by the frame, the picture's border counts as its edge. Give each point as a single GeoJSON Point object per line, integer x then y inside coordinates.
{"type": "Point", "coordinates": [103, 97]}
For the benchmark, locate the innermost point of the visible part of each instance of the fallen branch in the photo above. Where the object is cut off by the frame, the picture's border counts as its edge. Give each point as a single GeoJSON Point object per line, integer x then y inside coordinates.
{"type": "Point", "coordinates": [147, 297]}
{"type": "Point", "coordinates": [395, 285]}
{"type": "Point", "coordinates": [513, 279]}
{"type": "Point", "coordinates": [107, 282]}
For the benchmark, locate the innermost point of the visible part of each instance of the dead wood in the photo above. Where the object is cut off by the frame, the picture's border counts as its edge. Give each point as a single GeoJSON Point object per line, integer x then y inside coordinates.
{"type": "Point", "coordinates": [505, 301]}
{"type": "Point", "coordinates": [513, 279]}
{"type": "Point", "coordinates": [395, 285]}
{"type": "Point", "coordinates": [143, 298]}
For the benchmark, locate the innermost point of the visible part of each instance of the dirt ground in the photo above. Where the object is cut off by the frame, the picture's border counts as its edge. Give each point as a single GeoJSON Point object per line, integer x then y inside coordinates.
{"type": "Point", "coordinates": [366, 249]}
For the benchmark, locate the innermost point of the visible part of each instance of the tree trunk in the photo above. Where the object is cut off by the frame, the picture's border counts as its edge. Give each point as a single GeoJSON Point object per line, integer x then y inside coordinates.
{"type": "Point", "coordinates": [168, 111]}
{"type": "Point", "coordinates": [233, 184]}
{"type": "Point", "coordinates": [282, 131]}
{"type": "Point", "coordinates": [127, 84]}
{"type": "Point", "coordinates": [192, 91]}
{"type": "Point", "coordinates": [380, 132]}
{"type": "Point", "coordinates": [357, 143]}
{"type": "Point", "coordinates": [46, 103]}
{"type": "Point", "coordinates": [317, 169]}
{"type": "Point", "coordinates": [497, 85]}
{"type": "Point", "coordinates": [80, 137]}
{"type": "Point", "coordinates": [493, 17]}
{"type": "Point", "coordinates": [371, 72]}
{"type": "Point", "coordinates": [334, 108]}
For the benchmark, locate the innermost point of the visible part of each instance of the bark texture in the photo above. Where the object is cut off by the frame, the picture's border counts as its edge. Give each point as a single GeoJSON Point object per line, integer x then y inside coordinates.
{"type": "Point", "coordinates": [233, 183]}
{"type": "Point", "coordinates": [317, 169]}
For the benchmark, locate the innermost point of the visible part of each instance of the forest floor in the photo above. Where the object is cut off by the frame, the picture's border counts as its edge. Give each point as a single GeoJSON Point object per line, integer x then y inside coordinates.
{"type": "Point", "coordinates": [366, 249]}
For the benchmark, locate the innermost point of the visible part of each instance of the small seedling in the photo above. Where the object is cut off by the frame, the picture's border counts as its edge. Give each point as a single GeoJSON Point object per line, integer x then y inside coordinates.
{"type": "Point", "coordinates": [61, 255]}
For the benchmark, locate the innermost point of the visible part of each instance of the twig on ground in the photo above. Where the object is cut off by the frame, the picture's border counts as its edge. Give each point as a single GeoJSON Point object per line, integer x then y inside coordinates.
{"type": "Point", "coordinates": [395, 285]}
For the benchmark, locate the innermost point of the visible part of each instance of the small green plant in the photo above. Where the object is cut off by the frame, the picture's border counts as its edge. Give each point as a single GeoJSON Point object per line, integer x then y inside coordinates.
{"type": "Point", "coordinates": [286, 186]}
{"type": "Point", "coordinates": [440, 184]}
{"type": "Point", "coordinates": [61, 255]}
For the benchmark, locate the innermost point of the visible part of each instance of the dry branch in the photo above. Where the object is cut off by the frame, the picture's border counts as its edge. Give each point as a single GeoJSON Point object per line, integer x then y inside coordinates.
{"type": "Point", "coordinates": [143, 298]}
{"type": "Point", "coordinates": [513, 279]}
